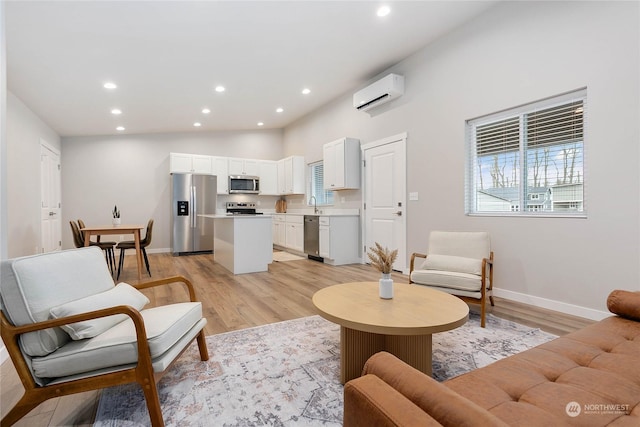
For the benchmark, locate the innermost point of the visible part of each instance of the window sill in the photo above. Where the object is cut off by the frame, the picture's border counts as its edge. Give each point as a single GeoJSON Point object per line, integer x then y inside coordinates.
{"type": "Point", "coordinates": [581, 215]}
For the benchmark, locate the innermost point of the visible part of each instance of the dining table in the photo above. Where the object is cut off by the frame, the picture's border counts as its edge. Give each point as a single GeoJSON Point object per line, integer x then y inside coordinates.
{"type": "Point", "coordinates": [117, 229]}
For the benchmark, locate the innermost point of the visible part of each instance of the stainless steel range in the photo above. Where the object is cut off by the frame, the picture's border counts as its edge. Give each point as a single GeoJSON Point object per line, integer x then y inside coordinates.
{"type": "Point", "coordinates": [242, 208]}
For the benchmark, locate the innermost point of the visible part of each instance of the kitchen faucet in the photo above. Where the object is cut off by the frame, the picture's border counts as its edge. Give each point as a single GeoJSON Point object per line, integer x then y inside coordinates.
{"type": "Point", "coordinates": [315, 205]}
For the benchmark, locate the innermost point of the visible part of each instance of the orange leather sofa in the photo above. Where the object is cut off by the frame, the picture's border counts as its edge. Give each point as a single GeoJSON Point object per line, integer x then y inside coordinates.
{"type": "Point", "coordinates": [590, 377]}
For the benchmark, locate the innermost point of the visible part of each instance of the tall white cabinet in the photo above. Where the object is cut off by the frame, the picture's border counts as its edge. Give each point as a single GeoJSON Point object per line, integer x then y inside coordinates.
{"type": "Point", "coordinates": [341, 161]}
{"type": "Point", "coordinates": [291, 175]}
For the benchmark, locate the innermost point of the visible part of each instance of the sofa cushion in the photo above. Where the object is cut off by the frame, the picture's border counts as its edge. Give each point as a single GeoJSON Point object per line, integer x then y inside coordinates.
{"type": "Point", "coordinates": [164, 326]}
{"type": "Point", "coordinates": [470, 244]}
{"type": "Point", "coordinates": [447, 279]}
{"type": "Point", "coordinates": [122, 294]}
{"type": "Point", "coordinates": [31, 286]}
{"type": "Point", "coordinates": [456, 264]}
{"type": "Point", "coordinates": [625, 304]}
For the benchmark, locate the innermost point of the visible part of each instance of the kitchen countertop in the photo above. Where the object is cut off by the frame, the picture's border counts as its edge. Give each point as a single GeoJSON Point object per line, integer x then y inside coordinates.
{"type": "Point", "coordinates": [317, 214]}
{"type": "Point", "coordinates": [225, 216]}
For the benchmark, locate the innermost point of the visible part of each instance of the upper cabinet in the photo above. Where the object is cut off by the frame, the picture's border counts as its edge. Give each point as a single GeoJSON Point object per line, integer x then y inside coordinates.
{"type": "Point", "coordinates": [341, 164]}
{"type": "Point", "coordinates": [286, 176]}
{"type": "Point", "coordinates": [189, 163]}
{"type": "Point", "coordinates": [268, 173]}
{"type": "Point", "coordinates": [219, 167]}
{"type": "Point", "coordinates": [291, 175]}
{"type": "Point", "coordinates": [243, 167]}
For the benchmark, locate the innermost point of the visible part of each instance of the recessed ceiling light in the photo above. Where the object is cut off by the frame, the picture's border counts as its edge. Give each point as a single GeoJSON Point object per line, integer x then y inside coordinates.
{"type": "Point", "coordinates": [260, 124]}
{"type": "Point", "coordinates": [109, 85]}
{"type": "Point", "coordinates": [116, 111]}
{"type": "Point", "coordinates": [383, 11]}
{"type": "Point", "coordinates": [120, 128]}
{"type": "Point", "coordinates": [205, 111]}
{"type": "Point", "coordinates": [220, 89]}
{"type": "Point", "coordinates": [197, 124]}
{"type": "Point", "coordinates": [306, 91]}
{"type": "Point", "coordinates": [279, 110]}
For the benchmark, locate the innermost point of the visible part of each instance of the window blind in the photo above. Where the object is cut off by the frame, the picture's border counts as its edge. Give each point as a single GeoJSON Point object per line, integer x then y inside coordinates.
{"type": "Point", "coordinates": [529, 159]}
{"type": "Point", "coordinates": [316, 185]}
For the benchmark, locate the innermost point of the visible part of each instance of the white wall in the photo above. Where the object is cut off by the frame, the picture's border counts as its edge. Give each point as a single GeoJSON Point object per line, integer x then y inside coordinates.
{"type": "Point", "coordinates": [132, 171]}
{"type": "Point", "coordinates": [25, 130]}
{"type": "Point", "coordinates": [513, 54]}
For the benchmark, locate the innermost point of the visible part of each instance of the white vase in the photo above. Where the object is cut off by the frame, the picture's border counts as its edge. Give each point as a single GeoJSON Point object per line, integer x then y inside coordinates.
{"type": "Point", "coordinates": [386, 286]}
{"type": "Point", "coordinates": [116, 221]}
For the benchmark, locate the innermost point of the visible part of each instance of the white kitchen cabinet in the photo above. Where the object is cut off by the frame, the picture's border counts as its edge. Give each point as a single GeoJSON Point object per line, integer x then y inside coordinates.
{"type": "Point", "coordinates": [341, 164]}
{"type": "Point", "coordinates": [291, 175]}
{"type": "Point", "coordinates": [339, 239]}
{"type": "Point", "coordinates": [268, 173]}
{"type": "Point", "coordinates": [324, 237]}
{"type": "Point", "coordinates": [189, 163]}
{"type": "Point", "coordinates": [219, 168]}
{"type": "Point", "coordinates": [279, 227]}
{"type": "Point", "coordinates": [294, 232]}
{"type": "Point", "coordinates": [243, 166]}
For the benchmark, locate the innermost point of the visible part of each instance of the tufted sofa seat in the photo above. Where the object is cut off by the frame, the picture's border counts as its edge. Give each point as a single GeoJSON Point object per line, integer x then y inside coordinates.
{"type": "Point", "coordinates": [590, 377]}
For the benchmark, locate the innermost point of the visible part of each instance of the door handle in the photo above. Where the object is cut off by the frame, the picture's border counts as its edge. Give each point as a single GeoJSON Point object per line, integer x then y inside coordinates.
{"type": "Point", "coordinates": [52, 213]}
{"type": "Point", "coordinates": [399, 213]}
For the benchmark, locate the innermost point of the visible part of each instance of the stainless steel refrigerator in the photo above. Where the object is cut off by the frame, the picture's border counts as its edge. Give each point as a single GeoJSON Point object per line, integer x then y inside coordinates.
{"type": "Point", "coordinates": [192, 195]}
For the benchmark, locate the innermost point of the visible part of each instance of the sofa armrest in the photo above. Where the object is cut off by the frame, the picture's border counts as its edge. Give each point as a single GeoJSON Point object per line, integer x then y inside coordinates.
{"type": "Point", "coordinates": [625, 304]}
{"type": "Point", "coordinates": [369, 401]}
{"type": "Point", "coordinates": [413, 260]}
{"type": "Point", "coordinates": [443, 404]}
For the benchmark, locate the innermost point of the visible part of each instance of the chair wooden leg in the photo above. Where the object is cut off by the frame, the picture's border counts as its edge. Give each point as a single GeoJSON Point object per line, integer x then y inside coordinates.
{"type": "Point", "coordinates": [26, 403]}
{"type": "Point", "coordinates": [152, 398]}
{"type": "Point", "coordinates": [483, 312]}
{"type": "Point", "coordinates": [202, 346]}
{"type": "Point", "coordinates": [491, 300]}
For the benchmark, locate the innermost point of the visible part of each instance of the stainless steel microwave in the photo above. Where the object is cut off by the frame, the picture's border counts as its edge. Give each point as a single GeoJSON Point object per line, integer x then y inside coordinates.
{"type": "Point", "coordinates": [244, 184]}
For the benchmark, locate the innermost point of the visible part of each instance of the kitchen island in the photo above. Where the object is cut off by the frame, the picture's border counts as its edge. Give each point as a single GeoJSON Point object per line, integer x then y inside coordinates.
{"type": "Point", "coordinates": [242, 243]}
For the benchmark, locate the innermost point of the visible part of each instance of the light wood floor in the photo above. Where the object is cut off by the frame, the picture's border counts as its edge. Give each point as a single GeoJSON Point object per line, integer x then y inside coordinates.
{"type": "Point", "coordinates": [237, 302]}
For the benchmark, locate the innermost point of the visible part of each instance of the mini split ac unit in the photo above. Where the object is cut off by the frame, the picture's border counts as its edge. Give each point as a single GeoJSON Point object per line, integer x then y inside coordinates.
{"type": "Point", "coordinates": [380, 92]}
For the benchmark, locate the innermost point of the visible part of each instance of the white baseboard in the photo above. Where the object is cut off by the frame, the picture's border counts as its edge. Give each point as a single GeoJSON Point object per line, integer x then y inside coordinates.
{"type": "Point", "coordinates": [563, 307]}
{"type": "Point", "coordinates": [158, 250]}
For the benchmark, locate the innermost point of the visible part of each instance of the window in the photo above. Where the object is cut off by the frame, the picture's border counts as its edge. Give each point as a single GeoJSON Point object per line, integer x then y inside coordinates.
{"type": "Point", "coordinates": [315, 189]}
{"type": "Point", "coordinates": [528, 160]}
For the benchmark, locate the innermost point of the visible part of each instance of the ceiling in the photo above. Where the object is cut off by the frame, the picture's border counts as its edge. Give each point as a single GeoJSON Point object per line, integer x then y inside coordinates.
{"type": "Point", "coordinates": [166, 58]}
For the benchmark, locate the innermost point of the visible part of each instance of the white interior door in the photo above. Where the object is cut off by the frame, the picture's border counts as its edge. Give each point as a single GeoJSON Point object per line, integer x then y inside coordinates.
{"type": "Point", "coordinates": [385, 183]}
{"type": "Point", "coordinates": [51, 224]}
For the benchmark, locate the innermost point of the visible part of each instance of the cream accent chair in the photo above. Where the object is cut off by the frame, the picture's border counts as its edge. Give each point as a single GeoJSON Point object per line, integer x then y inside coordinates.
{"type": "Point", "coordinates": [459, 263]}
{"type": "Point", "coordinates": [69, 329]}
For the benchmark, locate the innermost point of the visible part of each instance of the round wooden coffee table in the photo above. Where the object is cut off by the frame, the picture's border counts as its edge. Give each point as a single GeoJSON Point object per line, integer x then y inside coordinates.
{"type": "Point", "coordinates": [402, 325]}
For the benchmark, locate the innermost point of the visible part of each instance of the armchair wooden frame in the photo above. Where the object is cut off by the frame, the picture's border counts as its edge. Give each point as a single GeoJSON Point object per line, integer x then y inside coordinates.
{"type": "Point", "coordinates": [487, 264]}
{"type": "Point", "coordinates": [142, 373]}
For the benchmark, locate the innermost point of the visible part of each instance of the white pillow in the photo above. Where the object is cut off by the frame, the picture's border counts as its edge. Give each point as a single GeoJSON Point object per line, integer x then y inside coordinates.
{"type": "Point", "coordinates": [122, 294]}
{"type": "Point", "coordinates": [456, 264]}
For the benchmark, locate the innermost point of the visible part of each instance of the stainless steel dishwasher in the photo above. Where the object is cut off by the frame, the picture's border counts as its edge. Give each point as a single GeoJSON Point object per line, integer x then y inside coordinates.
{"type": "Point", "coordinates": [311, 235]}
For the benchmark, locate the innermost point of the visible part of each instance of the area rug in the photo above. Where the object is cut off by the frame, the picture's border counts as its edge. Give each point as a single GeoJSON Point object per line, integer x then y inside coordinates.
{"type": "Point", "coordinates": [287, 374]}
{"type": "Point", "coordinates": [282, 256]}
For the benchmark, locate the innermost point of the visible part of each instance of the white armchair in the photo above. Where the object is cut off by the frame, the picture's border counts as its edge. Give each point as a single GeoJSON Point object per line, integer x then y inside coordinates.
{"type": "Point", "coordinates": [459, 263]}
{"type": "Point", "coordinates": [69, 329]}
